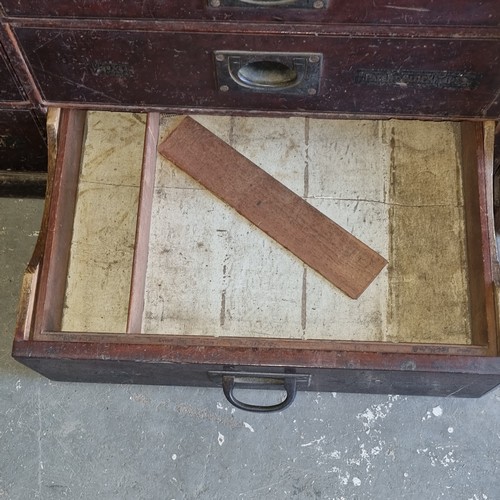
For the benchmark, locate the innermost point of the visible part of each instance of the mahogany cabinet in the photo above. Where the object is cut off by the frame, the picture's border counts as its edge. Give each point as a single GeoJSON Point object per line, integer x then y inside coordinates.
{"type": "Point", "coordinates": [242, 60]}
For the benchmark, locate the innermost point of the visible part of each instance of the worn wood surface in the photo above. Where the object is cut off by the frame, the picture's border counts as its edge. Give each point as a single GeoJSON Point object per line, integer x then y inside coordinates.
{"type": "Point", "coordinates": [365, 71]}
{"type": "Point", "coordinates": [322, 244]}
{"type": "Point", "coordinates": [394, 184]}
{"type": "Point", "coordinates": [59, 222]}
{"type": "Point", "coordinates": [406, 12]}
{"type": "Point", "coordinates": [143, 225]}
{"type": "Point", "coordinates": [22, 145]}
{"type": "Point", "coordinates": [100, 267]}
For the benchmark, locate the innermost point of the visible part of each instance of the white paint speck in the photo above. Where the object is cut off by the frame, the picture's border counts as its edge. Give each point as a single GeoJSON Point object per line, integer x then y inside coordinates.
{"type": "Point", "coordinates": [18, 385]}
{"type": "Point", "coordinates": [248, 426]}
{"type": "Point", "coordinates": [174, 457]}
{"type": "Point", "coordinates": [406, 474]}
{"type": "Point", "coordinates": [450, 430]}
{"type": "Point", "coordinates": [315, 441]}
{"type": "Point", "coordinates": [220, 439]}
{"type": "Point", "coordinates": [437, 411]}
{"type": "Point", "coordinates": [356, 481]}
{"type": "Point", "coordinates": [219, 406]}
{"type": "Point", "coordinates": [370, 417]}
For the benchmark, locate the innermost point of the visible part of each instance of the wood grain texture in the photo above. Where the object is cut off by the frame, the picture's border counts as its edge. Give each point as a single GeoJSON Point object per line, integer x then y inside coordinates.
{"type": "Point", "coordinates": [341, 258]}
{"type": "Point", "coordinates": [330, 370]}
{"type": "Point", "coordinates": [477, 157]}
{"type": "Point", "coordinates": [59, 226]}
{"type": "Point", "coordinates": [466, 13]}
{"type": "Point", "coordinates": [140, 259]}
{"type": "Point", "coordinates": [147, 78]}
{"type": "Point", "coordinates": [100, 267]}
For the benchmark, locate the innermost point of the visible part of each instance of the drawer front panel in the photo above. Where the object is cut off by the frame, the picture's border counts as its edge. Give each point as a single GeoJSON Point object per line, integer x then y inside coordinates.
{"type": "Point", "coordinates": [406, 77]}
{"type": "Point", "coordinates": [9, 90]}
{"type": "Point", "coordinates": [405, 12]}
{"type": "Point", "coordinates": [22, 146]}
{"type": "Point", "coordinates": [123, 371]}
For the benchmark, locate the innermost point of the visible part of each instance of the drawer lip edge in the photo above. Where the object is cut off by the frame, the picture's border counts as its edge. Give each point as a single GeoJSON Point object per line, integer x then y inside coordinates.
{"type": "Point", "coordinates": [199, 356]}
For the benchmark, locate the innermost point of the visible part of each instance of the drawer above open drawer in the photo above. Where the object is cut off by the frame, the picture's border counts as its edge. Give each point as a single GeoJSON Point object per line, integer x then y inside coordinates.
{"type": "Point", "coordinates": [181, 71]}
{"type": "Point", "coordinates": [10, 89]}
{"type": "Point", "coordinates": [402, 12]}
{"type": "Point", "coordinates": [143, 276]}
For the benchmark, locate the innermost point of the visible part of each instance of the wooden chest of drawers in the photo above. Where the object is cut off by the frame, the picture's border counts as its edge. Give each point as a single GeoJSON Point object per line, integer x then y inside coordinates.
{"type": "Point", "coordinates": [210, 309]}
{"type": "Point", "coordinates": [304, 59]}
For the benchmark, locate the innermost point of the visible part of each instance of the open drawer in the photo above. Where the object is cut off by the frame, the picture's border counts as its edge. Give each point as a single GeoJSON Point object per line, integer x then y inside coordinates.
{"type": "Point", "coordinates": [142, 276]}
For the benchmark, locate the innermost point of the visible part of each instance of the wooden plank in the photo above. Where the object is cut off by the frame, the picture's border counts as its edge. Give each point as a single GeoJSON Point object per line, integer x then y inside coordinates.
{"type": "Point", "coordinates": [64, 183]}
{"type": "Point", "coordinates": [140, 261]}
{"type": "Point", "coordinates": [25, 317]}
{"type": "Point", "coordinates": [341, 258]}
{"type": "Point", "coordinates": [477, 160]}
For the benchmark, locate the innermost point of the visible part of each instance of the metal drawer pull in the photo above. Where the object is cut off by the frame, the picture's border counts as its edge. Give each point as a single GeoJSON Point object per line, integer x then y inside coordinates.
{"type": "Point", "coordinates": [287, 73]}
{"type": "Point", "coordinates": [230, 382]}
{"type": "Point", "coordinates": [231, 379]}
{"type": "Point", "coordinates": [268, 74]}
{"type": "Point", "coordinates": [270, 2]}
{"type": "Point", "coordinates": [292, 4]}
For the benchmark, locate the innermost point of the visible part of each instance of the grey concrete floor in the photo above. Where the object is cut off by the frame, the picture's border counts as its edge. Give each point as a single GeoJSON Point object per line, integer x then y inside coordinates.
{"type": "Point", "coordinates": [67, 440]}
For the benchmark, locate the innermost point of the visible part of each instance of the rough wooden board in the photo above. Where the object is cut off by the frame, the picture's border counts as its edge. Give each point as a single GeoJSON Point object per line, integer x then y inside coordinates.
{"type": "Point", "coordinates": [99, 273]}
{"type": "Point", "coordinates": [322, 244]}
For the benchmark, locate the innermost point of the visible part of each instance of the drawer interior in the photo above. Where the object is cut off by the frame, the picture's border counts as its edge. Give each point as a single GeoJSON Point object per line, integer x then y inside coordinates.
{"type": "Point", "coordinates": [143, 250]}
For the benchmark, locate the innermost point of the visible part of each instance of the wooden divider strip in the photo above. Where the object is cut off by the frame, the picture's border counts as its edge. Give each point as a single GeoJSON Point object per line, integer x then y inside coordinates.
{"type": "Point", "coordinates": [140, 262]}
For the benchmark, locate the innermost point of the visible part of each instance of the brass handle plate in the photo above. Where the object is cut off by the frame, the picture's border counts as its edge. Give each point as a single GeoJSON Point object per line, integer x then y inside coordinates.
{"type": "Point", "coordinates": [269, 72]}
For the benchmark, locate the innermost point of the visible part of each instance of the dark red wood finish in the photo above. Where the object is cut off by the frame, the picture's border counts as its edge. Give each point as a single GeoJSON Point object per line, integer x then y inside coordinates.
{"type": "Point", "coordinates": [175, 70]}
{"type": "Point", "coordinates": [404, 12]}
{"type": "Point", "coordinates": [10, 89]}
{"type": "Point", "coordinates": [22, 144]}
{"type": "Point", "coordinates": [376, 373]}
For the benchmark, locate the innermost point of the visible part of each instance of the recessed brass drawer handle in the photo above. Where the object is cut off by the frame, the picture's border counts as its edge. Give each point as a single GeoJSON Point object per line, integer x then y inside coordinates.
{"type": "Point", "coordinates": [267, 74]}
{"type": "Point", "coordinates": [294, 73]}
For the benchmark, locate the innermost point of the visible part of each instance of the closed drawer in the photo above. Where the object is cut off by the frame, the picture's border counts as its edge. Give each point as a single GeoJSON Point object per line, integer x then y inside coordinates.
{"type": "Point", "coordinates": [22, 142]}
{"type": "Point", "coordinates": [145, 277]}
{"type": "Point", "coordinates": [179, 71]}
{"type": "Point", "coordinates": [405, 12]}
{"type": "Point", "coordinates": [9, 88]}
